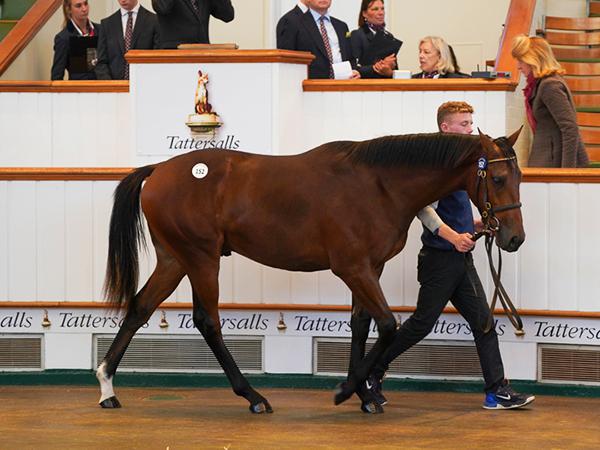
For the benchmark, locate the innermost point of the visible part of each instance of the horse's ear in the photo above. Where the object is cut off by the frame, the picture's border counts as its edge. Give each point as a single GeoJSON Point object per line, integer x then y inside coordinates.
{"type": "Point", "coordinates": [513, 137]}
{"type": "Point", "coordinates": [486, 141]}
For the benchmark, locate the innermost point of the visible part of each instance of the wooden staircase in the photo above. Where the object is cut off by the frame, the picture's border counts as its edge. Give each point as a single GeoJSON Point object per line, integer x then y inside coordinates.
{"type": "Point", "coordinates": [576, 45]}
{"type": "Point", "coordinates": [11, 11]}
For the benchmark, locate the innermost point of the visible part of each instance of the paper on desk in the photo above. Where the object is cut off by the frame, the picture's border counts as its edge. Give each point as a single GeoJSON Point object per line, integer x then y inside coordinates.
{"type": "Point", "coordinates": [342, 70]}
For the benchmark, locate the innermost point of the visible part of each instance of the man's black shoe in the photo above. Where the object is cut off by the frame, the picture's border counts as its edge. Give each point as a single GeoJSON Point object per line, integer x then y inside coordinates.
{"type": "Point", "coordinates": [373, 385]}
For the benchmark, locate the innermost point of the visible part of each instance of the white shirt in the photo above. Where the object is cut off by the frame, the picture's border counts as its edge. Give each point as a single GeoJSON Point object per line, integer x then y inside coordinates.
{"type": "Point", "coordinates": [303, 7]}
{"type": "Point", "coordinates": [124, 16]}
{"type": "Point", "coordinates": [334, 42]}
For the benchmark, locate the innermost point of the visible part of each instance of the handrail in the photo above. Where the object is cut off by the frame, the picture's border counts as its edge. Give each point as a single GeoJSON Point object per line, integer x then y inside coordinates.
{"type": "Point", "coordinates": [518, 21]}
{"type": "Point", "coordinates": [530, 174]}
{"type": "Point", "coordinates": [65, 86]}
{"type": "Point", "coordinates": [25, 30]}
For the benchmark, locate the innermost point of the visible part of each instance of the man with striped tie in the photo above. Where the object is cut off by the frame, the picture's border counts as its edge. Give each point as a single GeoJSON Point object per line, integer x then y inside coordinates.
{"type": "Point", "coordinates": [186, 21]}
{"type": "Point", "coordinates": [325, 37]}
{"type": "Point", "coordinates": [131, 27]}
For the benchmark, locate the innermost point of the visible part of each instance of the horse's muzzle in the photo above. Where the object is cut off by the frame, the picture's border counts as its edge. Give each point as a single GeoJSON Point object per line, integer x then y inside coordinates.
{"type": "Point", "coordinates": [514, 243]}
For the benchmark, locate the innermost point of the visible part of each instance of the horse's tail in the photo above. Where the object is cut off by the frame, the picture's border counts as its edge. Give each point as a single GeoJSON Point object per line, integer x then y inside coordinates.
{"type": "Point", "coordinates": [125, 235]}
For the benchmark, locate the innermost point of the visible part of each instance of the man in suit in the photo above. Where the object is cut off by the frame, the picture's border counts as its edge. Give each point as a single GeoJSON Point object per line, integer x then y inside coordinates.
{"type": "Point", "coordinates": [131, 27]}
{"type": "Point", "coordinates": [186, 21]}
{"type": "Point", "coordinates": [325, 37]}
{"type": "Point", "coordinates": [290, 21]}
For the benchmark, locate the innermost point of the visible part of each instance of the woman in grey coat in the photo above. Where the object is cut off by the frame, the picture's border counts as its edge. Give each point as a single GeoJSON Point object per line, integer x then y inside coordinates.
{"type": "Point", "coordinates": [549, 106]}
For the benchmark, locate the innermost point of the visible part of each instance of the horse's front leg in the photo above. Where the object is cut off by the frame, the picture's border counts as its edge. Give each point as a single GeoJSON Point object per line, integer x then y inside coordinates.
{"type": "Point", "coordinates": [365, 287]}
{"type": "Point", "coordinates": [360, 323]}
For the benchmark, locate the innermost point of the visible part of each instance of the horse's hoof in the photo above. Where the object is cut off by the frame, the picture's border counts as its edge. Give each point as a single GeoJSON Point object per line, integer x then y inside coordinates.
{"type": "Point", "coordinates": [342, 393]}
{"type": "Point", "coordinates": [110, 402]}
{"type": "Point", "coordinates": [371, 408]}
{"type": "Point", "coordinates": [261, 407]}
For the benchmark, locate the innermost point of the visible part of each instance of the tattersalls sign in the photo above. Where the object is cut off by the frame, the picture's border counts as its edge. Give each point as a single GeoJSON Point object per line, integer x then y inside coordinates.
{"type": "Point", "coordinates": [168, 122]}
{"type": "Point", "coordinates": [289, 323]}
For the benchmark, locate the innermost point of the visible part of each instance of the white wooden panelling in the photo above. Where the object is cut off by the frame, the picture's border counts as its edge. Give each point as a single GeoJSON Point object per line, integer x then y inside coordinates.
{"type": "Point", "coordinates": [412, 112]}
{"type": "Point", "coordinates": [53, 242]}
{"type": "Point", "coordinates": [79, 234]}
{"type": "Point", "coordinates": [4, 238]}
{"type": "Point", "coordinates": [277, 285]}
{"type": "Point", "coordinates": [588, 248]}
{"type": "Point", "coordinates": [391, 113]}
{"type": "Point", "coordinates": [533, 254]}
{"type": "Point", "coordinates": [65, 129]}
{"type": "Point", "coordinates": [332, 290]}
{"type": "Point", "coordinates": [562, 245]}
{"type": "Point", "coordinates": [22, 244]}
{"type": "Point", "coordinates": [50, 231]}
{"type": "Point", "coordinates": [102, 206]}
{"type": "Point", "coordinates": [247, 280]}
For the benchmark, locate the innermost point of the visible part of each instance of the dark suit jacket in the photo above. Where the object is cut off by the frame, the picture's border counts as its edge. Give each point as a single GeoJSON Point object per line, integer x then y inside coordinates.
{"type": "Point", "coordinates": [557, 142]}
{"type": "Point", "coordinates": [111, 45]}
{"type": "Point", "coordinates": [360, 40]}
{"type": "Point", "coordinates": [180, 24]}
{"type": "Point", "coordinates": [62, 51]}
{"type": "Point", "coordinates": [289, 22]}
{"type": "Point", "coordinates": [305, 36]}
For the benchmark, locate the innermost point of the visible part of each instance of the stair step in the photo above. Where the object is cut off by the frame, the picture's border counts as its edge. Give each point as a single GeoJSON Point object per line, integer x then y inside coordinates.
{"type": "Point", "coordinates": [572, 23]}
{"type": "Point", "coordinates": [15, 9]}
{"type": "Point", "coordinates": [588, 109]}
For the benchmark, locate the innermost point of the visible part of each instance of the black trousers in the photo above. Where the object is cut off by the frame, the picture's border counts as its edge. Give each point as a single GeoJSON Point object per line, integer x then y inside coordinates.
{"type": "Point", "coordinates": [449, 275]}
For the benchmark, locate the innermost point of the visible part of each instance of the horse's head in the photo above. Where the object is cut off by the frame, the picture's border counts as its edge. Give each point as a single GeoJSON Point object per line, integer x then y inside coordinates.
{"type": "Point", "coordinates": [497, 190]}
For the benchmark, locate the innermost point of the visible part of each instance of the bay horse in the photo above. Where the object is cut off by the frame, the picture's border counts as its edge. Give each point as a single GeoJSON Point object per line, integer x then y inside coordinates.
{"type": "Point", "coordinates": [345, 206]}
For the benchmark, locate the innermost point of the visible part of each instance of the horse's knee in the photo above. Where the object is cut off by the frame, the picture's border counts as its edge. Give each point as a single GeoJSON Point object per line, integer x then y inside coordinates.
{"type": "Point", "coordinates": [205, 324]}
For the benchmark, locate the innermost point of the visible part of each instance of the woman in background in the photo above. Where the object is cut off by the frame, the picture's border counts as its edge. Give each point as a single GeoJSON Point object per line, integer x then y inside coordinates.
{"type": "Point", "coordinates": [549, 106]}
{"type": "Point", "coordinates": [373, 46]}
{"type": "Point", "coordinates": [437, 60]}
{"type": "Point", "coordinates": [76, 23]}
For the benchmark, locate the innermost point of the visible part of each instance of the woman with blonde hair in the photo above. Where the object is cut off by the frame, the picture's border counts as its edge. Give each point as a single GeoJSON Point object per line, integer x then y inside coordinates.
{"type": "Point", "coordinates": [76, 24]}
{"type": "Point", "coordinates": [437, 60]}
{"type": "Point", "coordinates": [549, 106]}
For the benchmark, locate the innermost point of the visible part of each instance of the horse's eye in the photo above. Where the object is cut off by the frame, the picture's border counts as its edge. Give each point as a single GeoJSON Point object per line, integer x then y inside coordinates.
{"type": "Point", "coordinates": [498, 181]}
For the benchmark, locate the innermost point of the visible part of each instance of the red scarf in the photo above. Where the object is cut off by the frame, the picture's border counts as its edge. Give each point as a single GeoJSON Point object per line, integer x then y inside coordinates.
{"type": "Point", "coordinates": [528, 92]}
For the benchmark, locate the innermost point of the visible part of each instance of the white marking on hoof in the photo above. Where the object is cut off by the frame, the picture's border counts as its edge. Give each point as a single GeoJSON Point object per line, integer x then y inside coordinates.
{"type": "Point", "coordinates": [106, 387]}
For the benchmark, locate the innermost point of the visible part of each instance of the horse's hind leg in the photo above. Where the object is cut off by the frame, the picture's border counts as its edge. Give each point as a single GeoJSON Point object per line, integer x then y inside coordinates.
{"type": "Point", "coordinates": [206, 319]}
{"type": "Point", "coordinates": [163, 281]}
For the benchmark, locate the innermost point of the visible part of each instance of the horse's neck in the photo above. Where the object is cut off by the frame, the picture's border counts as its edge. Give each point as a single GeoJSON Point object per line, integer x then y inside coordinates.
{"type": "Point", "coordinates": [413, 189]}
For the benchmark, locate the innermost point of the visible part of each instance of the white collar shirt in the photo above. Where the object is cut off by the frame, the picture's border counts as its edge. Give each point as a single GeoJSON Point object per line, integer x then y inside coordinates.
{"type": "Point", "coordinates": [124, 16]}
{"type": "Point", "coordinates": [334, 42]}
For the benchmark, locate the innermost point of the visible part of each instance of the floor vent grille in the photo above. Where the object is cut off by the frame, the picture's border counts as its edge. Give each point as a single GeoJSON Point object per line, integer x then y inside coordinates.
{"type": "Point", "coordinates": [183, 354]}
{"type": "Point", "coordinates": [20, 353]}
{"type": "Point", "coordinates": [430, 359]}
{"type": "Point", "coordinates": [569, 363]}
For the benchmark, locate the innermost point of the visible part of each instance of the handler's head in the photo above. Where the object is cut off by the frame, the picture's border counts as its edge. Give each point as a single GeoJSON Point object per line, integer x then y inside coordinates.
{"type": "Point", "coordinates": [455, 117]}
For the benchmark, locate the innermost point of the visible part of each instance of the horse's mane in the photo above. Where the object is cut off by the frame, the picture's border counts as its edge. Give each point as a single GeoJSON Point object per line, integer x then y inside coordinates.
{"type": "Point", "coordinates": [434, 150]}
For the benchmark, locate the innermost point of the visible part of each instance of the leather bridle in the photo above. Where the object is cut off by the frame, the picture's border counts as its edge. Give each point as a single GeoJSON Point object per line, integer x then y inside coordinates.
{"type": "Point", "coordinates": [491, 225]}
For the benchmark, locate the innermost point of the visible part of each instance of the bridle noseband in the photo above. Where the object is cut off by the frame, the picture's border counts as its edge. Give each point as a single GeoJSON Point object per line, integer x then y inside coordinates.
{"type": "Point", "coordinates": [491, 224]}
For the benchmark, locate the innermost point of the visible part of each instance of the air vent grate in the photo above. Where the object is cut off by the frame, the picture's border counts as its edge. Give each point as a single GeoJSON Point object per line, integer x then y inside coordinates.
{"type": "Point", "coordinates": [569, 363]}
{"type": "Point", "coordinates": [20, 353]}
{"type": "Point", "coordinates": [183, 354]}
{"type": "Point", "coordinates": [437, 359]}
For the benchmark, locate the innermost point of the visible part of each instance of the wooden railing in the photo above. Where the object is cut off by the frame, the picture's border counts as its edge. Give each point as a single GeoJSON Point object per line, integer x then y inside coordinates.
{"type": "Point", "coordinates": [25, 30]}
{"type": "Point", "coordinates": [518, 21]}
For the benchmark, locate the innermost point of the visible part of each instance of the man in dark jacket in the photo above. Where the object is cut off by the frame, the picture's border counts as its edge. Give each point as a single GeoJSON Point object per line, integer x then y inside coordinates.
{"type": "Point", "coordinates": [186, 21]}
{"type": "Point", "coordinates": [323, 36]}
{"type": "Point", "coordinates": [131, 27]}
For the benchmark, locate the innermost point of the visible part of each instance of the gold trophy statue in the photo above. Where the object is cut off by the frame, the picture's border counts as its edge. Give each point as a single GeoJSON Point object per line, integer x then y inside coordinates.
{"type": "Point", "coordinates": [204, 121]}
